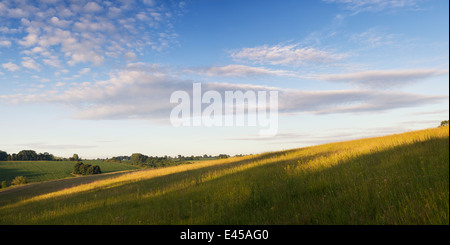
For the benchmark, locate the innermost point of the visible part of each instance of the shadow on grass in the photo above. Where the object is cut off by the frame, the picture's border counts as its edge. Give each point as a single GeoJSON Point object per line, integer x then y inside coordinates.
{"type": "Point", "coordinates": [272, 199]}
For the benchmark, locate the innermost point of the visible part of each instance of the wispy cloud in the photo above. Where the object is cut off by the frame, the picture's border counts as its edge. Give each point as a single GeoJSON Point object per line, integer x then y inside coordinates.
{"type": "Point", "coordinates": [137, 93]}
{"type": "Point", "coordinates": [374, 38]}
{"type": "Point", "coordinates": [288, 55]}
{"type": "Point", "coordinates": [383, 78]}
{"type": "Point", "coordinates": [374, 5]}
{"type": "Point", "coordinates": [239, 71]}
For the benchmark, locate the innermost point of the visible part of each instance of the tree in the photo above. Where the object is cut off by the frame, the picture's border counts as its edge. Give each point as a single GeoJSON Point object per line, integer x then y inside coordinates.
{"type": "Point", "coordinates": [3, 156]}
{"type": "Point", "coordinates": [4, 184]}
{"type": "Point", "coordinates": [444, 123]}
{"type": "Point", "coordinates": [19, 180]}
{"type": "Point", "coordinates": [96, 169]}
{"type": "Point", "coordinates": [27, 155]}
{"type": "Point", "coordinates": [138, 158]}
{"type": "Point", "coordinates": [75, 158]}
{"type": "Point", "coordinates": [86, 169]}
{"type": "Point", "coordinates": [77, 168]}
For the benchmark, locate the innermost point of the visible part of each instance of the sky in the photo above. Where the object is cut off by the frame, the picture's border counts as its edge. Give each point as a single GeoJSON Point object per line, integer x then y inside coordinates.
{"type": "Point", "coordinates": [95, 77]}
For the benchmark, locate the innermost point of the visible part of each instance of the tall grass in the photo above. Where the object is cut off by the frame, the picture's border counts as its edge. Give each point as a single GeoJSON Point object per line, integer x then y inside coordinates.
{"type": "Point", "coordinates": [397, 179]}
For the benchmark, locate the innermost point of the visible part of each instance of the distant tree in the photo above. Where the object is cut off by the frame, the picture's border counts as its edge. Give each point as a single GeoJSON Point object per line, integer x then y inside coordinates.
{"type": "Point", "coordinates": [75, 157]}
{"type": "Point", "coordinates": [4, 184]}
{"type": "Point", "coordinates": [138, 158]}
{"type": "Point", "coordinates": [222, 156]}
{"type": "Point", "coordinates": [86, 169]}
{"type": "Point", "coordinates": [444, 123]}
{"type": "Point", "coordinates": [89, 169]}
{"type": "Point", "coordinates": [27, 155]}
{"type": "Point", "coordinates": [77, 168]}
{"type": "Point", "coordinates": [19, 180]}
{"type": "Point", "coordinates": [3, 156]}
{"type": "Point", "coordinates": [96, 169]}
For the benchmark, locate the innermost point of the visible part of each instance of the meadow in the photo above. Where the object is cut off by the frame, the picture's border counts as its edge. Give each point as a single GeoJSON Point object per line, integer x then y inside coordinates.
{"type": "Point", "coordinates": [396, 179]}
{"type": "Point", "coordinates": [37, 171]}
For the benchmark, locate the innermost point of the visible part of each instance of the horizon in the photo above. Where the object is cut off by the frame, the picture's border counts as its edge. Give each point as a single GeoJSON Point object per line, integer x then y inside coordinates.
{"type": "Point", "coordinates": [95, 78]}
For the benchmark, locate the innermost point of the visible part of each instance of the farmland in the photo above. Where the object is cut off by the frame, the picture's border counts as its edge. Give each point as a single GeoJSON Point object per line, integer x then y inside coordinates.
{"type": "Point", "coordinates": [396, 179]}
{"type": "Point", "coordinates": [37, 171]}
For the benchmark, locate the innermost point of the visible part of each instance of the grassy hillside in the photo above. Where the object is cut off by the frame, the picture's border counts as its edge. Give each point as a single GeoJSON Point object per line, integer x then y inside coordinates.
{"type": "Point", "coordinates": [36, 171]}
{"type": "Point", "coordinates": [398, 179]}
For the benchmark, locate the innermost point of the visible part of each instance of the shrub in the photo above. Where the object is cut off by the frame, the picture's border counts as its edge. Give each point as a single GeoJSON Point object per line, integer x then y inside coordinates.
{"type": "Point", "coordinates": [4, 184]}
{"type": "Point", "coordinates": [19, 180]}
{"type": "Point", "coordinates": [86, 169]}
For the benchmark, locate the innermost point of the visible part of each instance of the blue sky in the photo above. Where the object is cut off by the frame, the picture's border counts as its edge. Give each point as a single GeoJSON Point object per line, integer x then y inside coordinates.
{"type": "Point", "coordinates": [95, 77]}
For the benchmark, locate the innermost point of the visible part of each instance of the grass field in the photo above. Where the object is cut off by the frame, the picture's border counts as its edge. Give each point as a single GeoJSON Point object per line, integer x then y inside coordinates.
{"type": "Point", "coordinates": [397, 179]}
{"type": "Point", "coordinates": [36, 171]}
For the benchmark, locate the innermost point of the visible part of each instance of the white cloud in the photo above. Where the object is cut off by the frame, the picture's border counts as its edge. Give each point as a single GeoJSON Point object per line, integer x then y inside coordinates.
{"type": "Point", "coordinates": [17, 13]}
{"type": "Point", "coordinates": [239, 71]}
{"type": "Point", "coordinates": [145, 94]}
{"type": "Point", "coordinates": [5, 43]}
{"type": "Point", "coordinates": [30, 40]}
{"type": "Point", "coordinates": [374, 5]}
{"type": "Point", "coordinates": [29, 63]}
{"type": "Point", "coordinates": [291, 55]}
{"type": "Point", "coordinates": [84, 71]}
{"type": "Point", "coordinates": [92, 7]}
{"type": "Point", "coordinates": [130, 56]}
{"type": "Point", "coordinates": [88, 31]}
{"type": "Point", "coordinates": [11, 66]}
{"type": "Point", "coordinates": [374, 38]}
{"type": "Point", "coordinates": [60, 23]}
{"type": "Point", "coordinates": [53, 61]}
{"type": "Point", "coordinates": [383, 78]}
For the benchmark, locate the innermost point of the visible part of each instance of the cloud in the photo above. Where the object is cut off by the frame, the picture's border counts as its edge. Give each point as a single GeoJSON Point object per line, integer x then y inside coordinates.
{"type": "Point", "coordinates": [88, 31]}
{"type": "Point", "coordinates": [29, 63]}
{"type": "Point", "coordinates": [46, 146]}
{"type": "Point", "coordinates": [374, 5]}
{"type": "Point", "coordinates": [53, 61]}
{"type": "Point", "coordinates": [92, 7]}
{"type": "Point", "coordinates": [5, 43]}
{"type": "Point", "coordinates": [85, 71]}
{"type": "Point", "coordinates": [239, 71]}
{"type": "Point", "coordinates": [374, 38]}
{"type": "Point", "coordinates": [290, 55]}
{"type": "Point", "coordinates": [383, 78]}
{"type": "Point", "coordinates": [130, 56]}
{"type": "Point", "coordinates": [140, 93]}
{"type": "Point", "coordinates": [11, 66]}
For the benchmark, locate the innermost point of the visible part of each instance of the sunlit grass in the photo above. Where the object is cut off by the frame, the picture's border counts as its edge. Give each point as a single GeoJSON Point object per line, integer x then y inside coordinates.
{"type": "Point", "coordinates": [398, 179]}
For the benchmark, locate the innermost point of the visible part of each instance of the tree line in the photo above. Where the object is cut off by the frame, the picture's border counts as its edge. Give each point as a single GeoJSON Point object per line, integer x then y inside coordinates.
{"type": "Point", "coordinates": [156, 162]}
{"type": "Point", "coordinates": [26, 155]}
{"type": "Point", "coordinates": [30, 155]}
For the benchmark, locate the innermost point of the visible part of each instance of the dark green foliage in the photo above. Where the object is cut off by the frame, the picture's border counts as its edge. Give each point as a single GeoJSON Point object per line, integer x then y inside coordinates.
{"type": "Point", "coordinates": [444, 123]}
{"type": "Point", "coordinates": [222, 156]}
{"type": "Point", "coordinates": [74, 158]}
{"type": "Point", "coordinates": [152, 162]}
{"type": "Point", "coordinates": [26, 155]}
{"type": "Point", "coordinates": [138, 158]}
{"type": "Point", "coordinates": [77, 168]}
{"type": "Point", "coordinates": [3, 156]}
{"type": "Point", "coordinates": [86, 169]}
